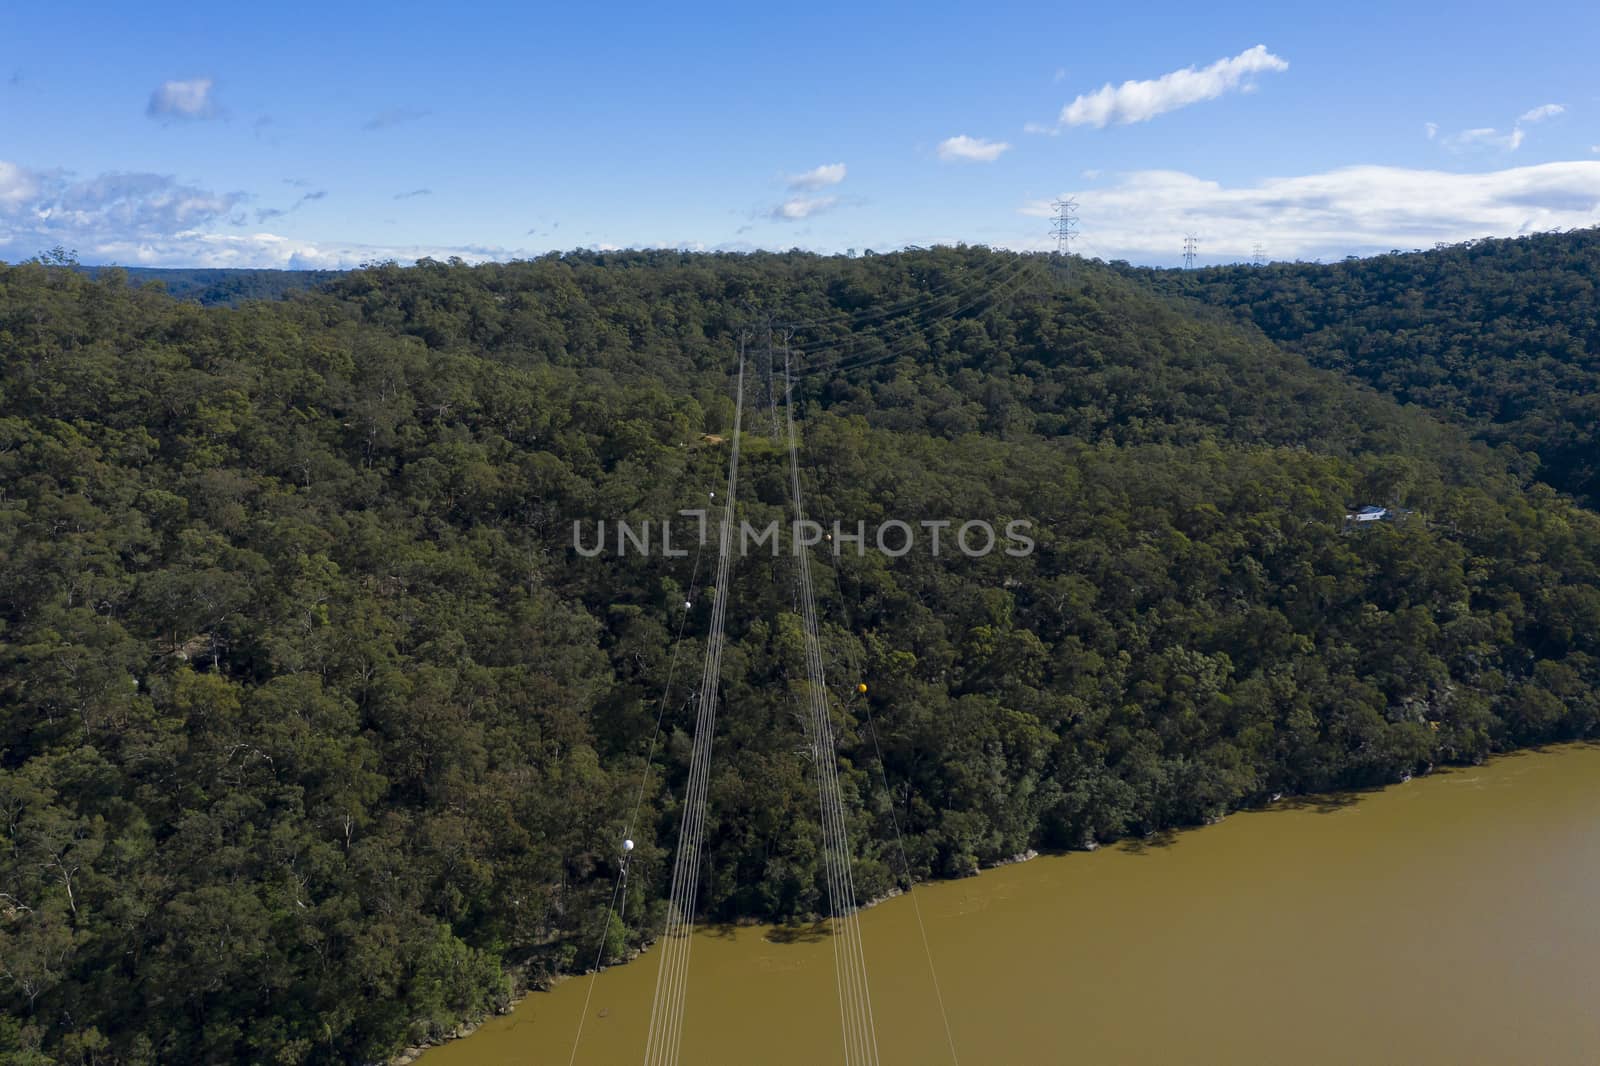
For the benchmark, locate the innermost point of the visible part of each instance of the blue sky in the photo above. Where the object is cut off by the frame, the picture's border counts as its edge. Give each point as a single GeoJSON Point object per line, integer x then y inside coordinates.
{"type": "Point", "coordinates": [323, 135]}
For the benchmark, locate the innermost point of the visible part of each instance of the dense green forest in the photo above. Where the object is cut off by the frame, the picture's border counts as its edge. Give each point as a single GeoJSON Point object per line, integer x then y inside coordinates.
{"type": "Point", "coordinates": [315, 730]}
{"type": "Point", "coordinates": [1502, 336]}
{"type": "Point", "coordinates": [220, 286]}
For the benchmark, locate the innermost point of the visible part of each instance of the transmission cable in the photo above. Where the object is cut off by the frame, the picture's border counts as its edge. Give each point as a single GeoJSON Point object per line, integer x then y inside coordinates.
{"type": "Point", "coordinates": [628, 827]}
{"type": "Point", "coordinates": [667, 1008]}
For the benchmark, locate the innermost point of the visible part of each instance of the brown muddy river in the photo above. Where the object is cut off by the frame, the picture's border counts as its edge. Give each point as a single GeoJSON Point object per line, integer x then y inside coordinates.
{"type": "Point", "coordinates": [1454, 919]}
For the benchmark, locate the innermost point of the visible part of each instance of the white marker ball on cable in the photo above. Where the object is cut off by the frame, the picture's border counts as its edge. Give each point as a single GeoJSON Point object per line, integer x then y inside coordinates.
{"type": "Point", "coordinates": [627, 845]}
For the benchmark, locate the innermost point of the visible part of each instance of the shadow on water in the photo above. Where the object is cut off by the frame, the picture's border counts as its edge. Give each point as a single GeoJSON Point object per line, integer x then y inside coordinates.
{"type": "Point", "coordinates": [1165, 838]}
{"type": "Point", "coordinates": [788, 933]}
{"type": "Point", "coordinates": [799, 933]}
{"type": "Point", "coordinates": [1322, 802]}
{"type": "Point", "coordinates": [1318, 803]}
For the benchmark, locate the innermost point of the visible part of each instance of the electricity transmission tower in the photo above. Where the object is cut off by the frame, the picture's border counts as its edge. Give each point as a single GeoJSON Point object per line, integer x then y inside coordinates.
{"type": "Point", "coordinates": [1191, 244]}
{"type": "Point", "coordinates": [1064, 225]}
{"type": "Point", "coordinates": [1258, 256]}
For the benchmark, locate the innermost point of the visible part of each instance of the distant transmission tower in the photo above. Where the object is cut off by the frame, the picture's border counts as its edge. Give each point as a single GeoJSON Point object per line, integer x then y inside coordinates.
{"type": "Point", "coordinates": [1064, 225]}
{"type": "Point", "coordinates": [1258, 256]}
{"type": "Point", "coordinates": [1190, 244]}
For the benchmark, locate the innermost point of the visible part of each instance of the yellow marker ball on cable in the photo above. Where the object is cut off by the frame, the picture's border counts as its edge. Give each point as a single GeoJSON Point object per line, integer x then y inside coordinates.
{"type": "Point", "coordinates": [862, 688]}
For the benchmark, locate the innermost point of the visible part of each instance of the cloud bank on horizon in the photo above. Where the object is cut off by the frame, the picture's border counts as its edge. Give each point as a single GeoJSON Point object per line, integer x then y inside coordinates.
{"type": "Point", "coordinates": [155, 220]}
{"type": "Point", "coordinates": [1358, 209]}
{"type": "Point", "coordinates": [201, 186]}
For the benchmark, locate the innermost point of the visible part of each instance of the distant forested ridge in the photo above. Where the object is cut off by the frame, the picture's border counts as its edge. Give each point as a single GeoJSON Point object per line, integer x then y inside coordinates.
{"type": "Point", "coordinates": [223, 286]}
{"type": "Point", "coordinates": [1502, 336]}
{"type": "Point", "coordinates": [315, 729]}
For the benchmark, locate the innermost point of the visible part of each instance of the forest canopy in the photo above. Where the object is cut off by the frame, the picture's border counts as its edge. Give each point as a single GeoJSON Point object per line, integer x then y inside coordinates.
{"type": "Point", "coordinates": [316, 734]}
{"type": "Point", "coordinates": [1501, 336]}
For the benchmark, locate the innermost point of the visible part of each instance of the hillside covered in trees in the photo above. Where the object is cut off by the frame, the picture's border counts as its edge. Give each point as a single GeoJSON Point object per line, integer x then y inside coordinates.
{"type": "Point", "coordinates": [212, 287]}
{"type": "Point", "coordinates": [1501, 336]}
{"type": "Point", "coordinates": [315, 728]}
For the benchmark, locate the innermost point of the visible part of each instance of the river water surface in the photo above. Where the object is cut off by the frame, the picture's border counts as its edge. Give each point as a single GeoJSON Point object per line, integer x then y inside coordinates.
{"type": "Point", "coordinates": [1453, 919]}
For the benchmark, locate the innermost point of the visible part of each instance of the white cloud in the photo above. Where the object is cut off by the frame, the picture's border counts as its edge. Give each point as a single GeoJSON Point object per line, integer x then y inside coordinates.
{"type": "Point", "coordinates": [157, 220]}
{"type": "Point", "coordinates": [1432, 129]}
{"type": "Point", "coordinates": [801, 205]}
{"type": "Point", "coordinates": [1485, 137]}
{"type": "Point", "coordinates": [269, 250]}
{"type": "Point", "coordinates": [1490, 137]}
{"type": "Point", "coordinates": [1140, 101]}
{"type": "Point", "coordinates": [971, 149]}
{"type": "Point", "coordinates": [51, 206]}
{"type": "Point", "coordinates": [17, 187]}
{"type": "Point", "coordinates": [183, 100]}
{"type": "Point", "coordinates": [798, 207]}
{"type": "Point", "coordinates": [818, 177]}
{"type": "Point", "coordinates": [1542, 112]}
{"type": "Point", "coordinates": [41, 209]}
{"type": "Point", "coordinates": [1350, 210]}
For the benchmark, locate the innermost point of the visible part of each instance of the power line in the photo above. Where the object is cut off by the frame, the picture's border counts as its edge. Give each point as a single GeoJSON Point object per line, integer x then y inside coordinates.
{"type": "Point", "coordinates": [850, 964]}
{"type": "Point", "coordinates": [905, 861]}
{"type": "Point", "coordinates": [667, 1008]}
{"type": "Point", "coordinates": [664, 1042]}
{"type": "Point", "coordinates": [914, 338]}
{"type": "Point", "coordinates": [918, 303]}
{"type": "Point", "coordinates": [807, 717]}
{"type": "Point", "coordinates": [629, 826]}
{"type": "Point", "coordinates": [599, 958]}
{"type": "Point", "coordinates": [1019, 267]}
{"type": "Point", "coordinates": [911, 887]}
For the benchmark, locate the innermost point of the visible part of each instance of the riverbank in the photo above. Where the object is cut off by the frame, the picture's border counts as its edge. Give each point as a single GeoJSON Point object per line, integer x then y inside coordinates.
{"type": "Point", "coordinates": [467, 1027]}
{"type": "Point", "coordinates": [1391, 925]}
{"type": "Point", "coordinates": [788, 932]}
